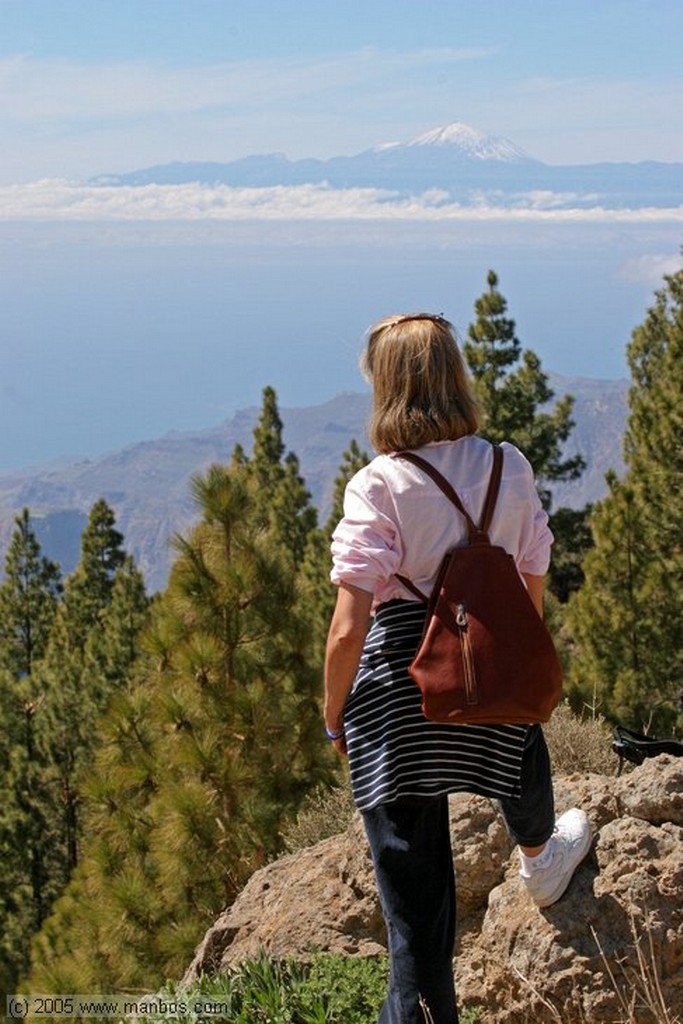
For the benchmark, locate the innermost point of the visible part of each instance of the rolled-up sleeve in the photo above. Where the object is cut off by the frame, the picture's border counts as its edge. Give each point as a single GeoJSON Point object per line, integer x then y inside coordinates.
{"type": "Point", "coordinates": [366, 545]}
{"type": "Point", "coordinates": [535, 558]}
{"type": "Point", "coordinates": [535, 535]}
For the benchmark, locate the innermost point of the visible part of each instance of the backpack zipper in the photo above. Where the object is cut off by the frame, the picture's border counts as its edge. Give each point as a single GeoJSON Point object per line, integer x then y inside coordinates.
{"type": "Point", "coordinates": [467, 657]}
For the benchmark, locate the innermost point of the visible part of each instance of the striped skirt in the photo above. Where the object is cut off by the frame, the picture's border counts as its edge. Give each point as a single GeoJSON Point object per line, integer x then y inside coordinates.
{"type": "Point", "coordinates": [394, 751]}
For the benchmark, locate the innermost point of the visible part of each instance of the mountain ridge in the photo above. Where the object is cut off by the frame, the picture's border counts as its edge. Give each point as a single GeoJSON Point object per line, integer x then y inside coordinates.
{"type": "Point", "coordinates": [147, 483]}
{"type": "Point", "coordinates": [468, 166]}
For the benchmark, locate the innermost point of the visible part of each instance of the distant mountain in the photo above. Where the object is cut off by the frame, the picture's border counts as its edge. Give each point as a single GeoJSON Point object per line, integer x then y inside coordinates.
{"type": "Point", "coordinates": [468, 168]}
{"type": "Point", "coordinates": [469, 143]}
{"type": "Point", "coordinates": [147, 483]}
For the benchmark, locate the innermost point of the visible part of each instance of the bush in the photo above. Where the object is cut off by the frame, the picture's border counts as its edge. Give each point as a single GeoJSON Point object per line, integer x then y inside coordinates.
{"type": "Point", "coordinates": [325, 812]}
{"type": "Point", "coordinates": [329, 989]}
{"type": "Point", "coordinates": [579, 744]}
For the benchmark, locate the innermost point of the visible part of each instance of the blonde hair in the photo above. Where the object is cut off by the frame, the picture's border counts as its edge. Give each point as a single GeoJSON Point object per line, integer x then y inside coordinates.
{"type": "Point", "coordinates": [421, 388]}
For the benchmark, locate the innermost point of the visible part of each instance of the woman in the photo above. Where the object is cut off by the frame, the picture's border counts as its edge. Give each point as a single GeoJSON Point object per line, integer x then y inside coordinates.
{"type": "Point", "coordinates": [402, 765]}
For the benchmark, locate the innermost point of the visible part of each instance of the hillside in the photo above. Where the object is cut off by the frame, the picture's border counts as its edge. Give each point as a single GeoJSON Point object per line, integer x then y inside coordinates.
{"type": "Point", "coordinates": [147, 483]}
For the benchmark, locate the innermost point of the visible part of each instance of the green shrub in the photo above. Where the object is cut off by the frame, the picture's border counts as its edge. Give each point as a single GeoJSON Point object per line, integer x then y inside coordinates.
{"type": "Point", "coordinates": [353, 988]}
{"type": "Point", "coordinates": [328, 989]}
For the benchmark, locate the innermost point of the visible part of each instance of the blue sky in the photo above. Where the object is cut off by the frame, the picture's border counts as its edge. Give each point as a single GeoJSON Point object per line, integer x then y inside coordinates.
{"type": "Point", "coordinates": [88, 86]}
{"type": "Point", "coordinates": [124, 314]}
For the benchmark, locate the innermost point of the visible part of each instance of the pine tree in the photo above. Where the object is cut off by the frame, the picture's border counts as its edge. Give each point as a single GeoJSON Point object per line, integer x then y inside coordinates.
{"type": "Point", "coordinates": [285, 501]}
{"type": "Point", "coordinates": [51, 715]}
{"type": "Point", "coordinates": [20, 868]}
{"type": "Point", "coordinates": [627, 620]}
{"type": "Point", "coordinates": [353, 460]}
{"type": "Point", "coordinates": [268, 449]}
{"type": "Point", "coordinates": [203, 761]}
{"type": "Point", "coordinates": [242, 706]}
{"type": "Point", "coordinates": [28, 600]}
{"type": "Point", "coordinates": [112, 648]}
{"type": "Point", "coordinates": [318, 592]}
{"type": "Point", "coordinates": [29, 829]}
{"type": "Point", "coordinates": [88, 653]}
{"type": "Point", "coordinates": [75, 690]}
{"type": "Point", "coordinates": [573, 538]}
{"type": "Point", "coordinates": [88, 590]}
{"type": "Point", "coordinates": [514, 397]}
{"type": "Point", "coordinates": [101, 934]}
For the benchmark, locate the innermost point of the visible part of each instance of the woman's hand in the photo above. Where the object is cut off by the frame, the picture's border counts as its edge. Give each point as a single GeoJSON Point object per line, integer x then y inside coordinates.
{"type": "Point", "coordinates": [340, 746]}
{"type": "Point", "coordinates": [337, 737]}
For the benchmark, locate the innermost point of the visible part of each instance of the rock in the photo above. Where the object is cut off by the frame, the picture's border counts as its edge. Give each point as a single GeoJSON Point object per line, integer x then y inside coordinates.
{"type": "Point", "coordinates": [619, 926]}
{"type": "Point", "coordinates": [324, 897]}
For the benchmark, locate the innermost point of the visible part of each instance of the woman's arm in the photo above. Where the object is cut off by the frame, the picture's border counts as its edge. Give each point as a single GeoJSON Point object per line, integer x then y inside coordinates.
{"type": "Point", "coordinates": [534, 585]}
{"type": "Point", "coordinates": [345, 641]}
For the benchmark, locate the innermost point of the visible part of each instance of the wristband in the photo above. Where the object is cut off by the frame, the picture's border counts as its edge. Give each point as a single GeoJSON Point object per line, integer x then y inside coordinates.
{"type": "Point", "coordinates": [332, 735]}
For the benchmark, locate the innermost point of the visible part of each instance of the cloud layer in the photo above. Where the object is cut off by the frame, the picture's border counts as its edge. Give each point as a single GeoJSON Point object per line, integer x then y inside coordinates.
{"type": "Point", "coordinates": [55, 200]}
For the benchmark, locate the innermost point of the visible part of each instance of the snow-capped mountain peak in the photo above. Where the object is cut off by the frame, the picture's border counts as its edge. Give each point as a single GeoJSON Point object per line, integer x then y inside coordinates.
{"type": "Point", "coordinates": [472, 143]}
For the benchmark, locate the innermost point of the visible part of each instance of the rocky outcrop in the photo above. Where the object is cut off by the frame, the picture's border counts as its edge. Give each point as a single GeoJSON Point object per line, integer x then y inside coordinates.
{"type": "Point", "coordinates": [617, 934]}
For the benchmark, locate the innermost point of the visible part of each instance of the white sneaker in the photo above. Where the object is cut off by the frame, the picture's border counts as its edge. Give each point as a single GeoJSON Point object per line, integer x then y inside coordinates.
{"type": "Point", "coordinates": [566, 848]}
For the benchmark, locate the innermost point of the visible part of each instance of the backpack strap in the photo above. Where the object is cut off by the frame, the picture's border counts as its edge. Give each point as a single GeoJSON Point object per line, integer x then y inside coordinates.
{"type": "Point", "coordinates": [493, 488]}
{"type": "Point", "coordinates": [475, 533]}
{"type": "Point", "coordinates": [409, 585]}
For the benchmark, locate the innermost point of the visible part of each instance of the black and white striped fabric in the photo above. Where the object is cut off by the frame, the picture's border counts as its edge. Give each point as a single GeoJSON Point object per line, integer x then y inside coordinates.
{"type": "Point", "coordinates": [394, 751]}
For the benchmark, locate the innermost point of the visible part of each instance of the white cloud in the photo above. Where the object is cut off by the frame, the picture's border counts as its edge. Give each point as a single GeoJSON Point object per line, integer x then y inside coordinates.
{"type": "Point", "coordinates": [55, 200]}
{"type": "Point", "coordinates": [34, 90]}
{"type": "Point", "coordinates": [651, 269]}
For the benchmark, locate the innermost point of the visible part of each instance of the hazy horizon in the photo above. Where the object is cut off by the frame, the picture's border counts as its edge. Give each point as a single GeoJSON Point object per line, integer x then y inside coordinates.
{"type": "Point", "coordinates": [178, 331]}
{"type": "Point", "coordinates": [127, 314]}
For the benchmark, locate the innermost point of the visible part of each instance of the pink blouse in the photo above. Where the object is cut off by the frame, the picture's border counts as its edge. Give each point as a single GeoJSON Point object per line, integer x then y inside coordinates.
{"type": "Point", "coordinates": [397, 520]}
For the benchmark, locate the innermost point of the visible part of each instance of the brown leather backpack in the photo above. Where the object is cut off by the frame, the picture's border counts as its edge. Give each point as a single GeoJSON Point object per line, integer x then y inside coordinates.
{"type": "Point", "coordinates": [486, 655]}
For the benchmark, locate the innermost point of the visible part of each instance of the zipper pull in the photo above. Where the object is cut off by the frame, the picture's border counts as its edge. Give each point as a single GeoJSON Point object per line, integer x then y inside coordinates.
{"type": "Point", "coordinates": [461, 616]}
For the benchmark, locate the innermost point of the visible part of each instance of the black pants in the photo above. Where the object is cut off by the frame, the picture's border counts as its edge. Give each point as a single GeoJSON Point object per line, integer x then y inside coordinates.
{"type": "Point", "coordinates": [411, 852]}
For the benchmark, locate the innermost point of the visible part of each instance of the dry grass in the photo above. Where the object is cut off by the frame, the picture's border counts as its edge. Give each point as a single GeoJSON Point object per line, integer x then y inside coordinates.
{"type": "Point", "coordinates": [324, 813]}
{"type": "Point", "coordinates": [428, 1019]}
{"type": "Point", "coordinates": [637, 987]}
{"type": "Point", "coordinates": [579, 744]}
